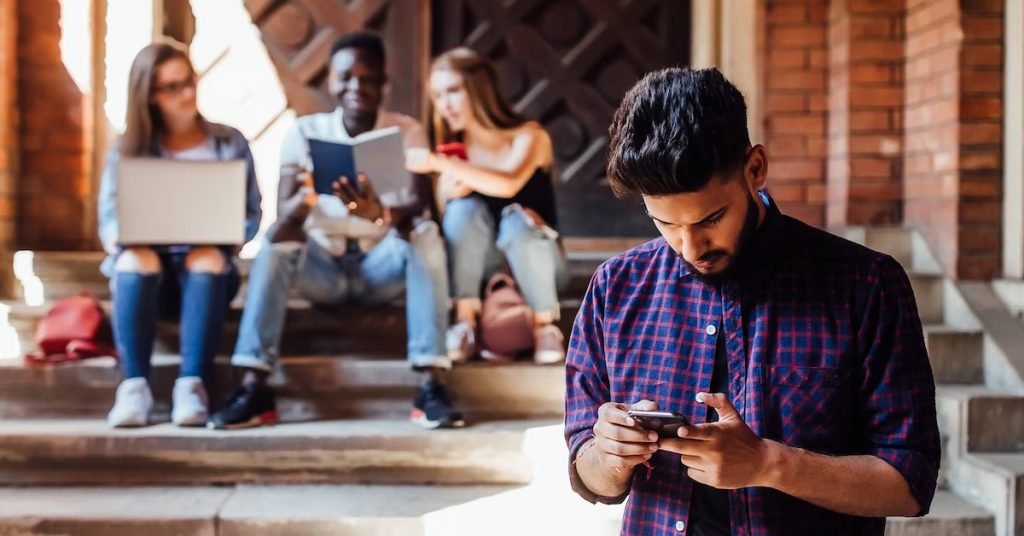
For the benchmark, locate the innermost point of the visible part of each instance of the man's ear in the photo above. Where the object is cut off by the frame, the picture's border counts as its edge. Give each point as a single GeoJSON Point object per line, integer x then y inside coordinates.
{"type": "Point", "coordinates": [755, 170]}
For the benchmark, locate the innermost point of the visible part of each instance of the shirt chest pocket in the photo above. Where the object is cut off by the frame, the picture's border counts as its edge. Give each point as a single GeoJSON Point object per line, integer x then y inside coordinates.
{"type": "Point", "coordinates": [810, 407]}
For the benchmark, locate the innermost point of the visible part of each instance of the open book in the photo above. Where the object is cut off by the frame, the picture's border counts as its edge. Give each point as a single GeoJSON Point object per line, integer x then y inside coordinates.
{"type": "Point", "coordinates": [379, 154]}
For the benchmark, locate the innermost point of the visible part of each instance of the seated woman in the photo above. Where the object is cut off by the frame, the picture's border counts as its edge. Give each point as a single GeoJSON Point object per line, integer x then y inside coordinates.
{"type": "Point", "coordinates": [195, 282]}
{"type": "Point", "coordinates": [499, 201]}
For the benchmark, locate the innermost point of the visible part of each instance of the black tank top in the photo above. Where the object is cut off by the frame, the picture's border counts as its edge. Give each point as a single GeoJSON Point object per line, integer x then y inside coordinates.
{"type": "Point", "coordinates": [538, 194]}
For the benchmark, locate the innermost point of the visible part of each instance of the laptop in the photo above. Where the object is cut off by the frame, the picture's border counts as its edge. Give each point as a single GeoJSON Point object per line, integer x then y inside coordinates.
{"type": "Point", "coordinates": [163, 202]}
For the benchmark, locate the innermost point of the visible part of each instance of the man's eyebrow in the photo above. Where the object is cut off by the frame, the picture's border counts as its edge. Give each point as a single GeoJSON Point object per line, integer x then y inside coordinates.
{"type": "Point", "coordinates": [706, 218]}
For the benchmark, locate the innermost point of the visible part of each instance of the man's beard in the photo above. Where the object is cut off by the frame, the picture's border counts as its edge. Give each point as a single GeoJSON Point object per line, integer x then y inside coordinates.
{"type": "Point", "coordinates": [739, 258]}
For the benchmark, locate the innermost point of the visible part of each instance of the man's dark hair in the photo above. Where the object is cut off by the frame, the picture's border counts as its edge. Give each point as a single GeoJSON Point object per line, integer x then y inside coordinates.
{"type": "Point", "coordinates": [675, 130]}
{"type": "Point", "coordinates": [368, 42]}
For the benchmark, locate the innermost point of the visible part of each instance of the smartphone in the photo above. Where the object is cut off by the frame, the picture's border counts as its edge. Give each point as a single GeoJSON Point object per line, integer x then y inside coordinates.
{"type": "Point", "coordinates": [666, 423]}
{"type": "Point", "coordinates": [454, 149]}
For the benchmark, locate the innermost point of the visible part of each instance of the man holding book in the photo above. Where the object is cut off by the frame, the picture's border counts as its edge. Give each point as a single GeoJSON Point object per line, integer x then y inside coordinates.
{"type": "Point", "coordinates": [349, 246]}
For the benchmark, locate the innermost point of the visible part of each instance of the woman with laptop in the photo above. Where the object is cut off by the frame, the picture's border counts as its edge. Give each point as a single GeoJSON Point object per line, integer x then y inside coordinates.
{"type": "Point", "coordinates": [496, 180]}
{"type": "Point", "coordinates": [194, 280]}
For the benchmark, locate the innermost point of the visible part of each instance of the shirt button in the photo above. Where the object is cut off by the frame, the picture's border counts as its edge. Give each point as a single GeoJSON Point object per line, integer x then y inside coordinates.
{"type": "Point", "coordinates": [680, 526]}
{"type": "Point", "coordinates": [711, 330]}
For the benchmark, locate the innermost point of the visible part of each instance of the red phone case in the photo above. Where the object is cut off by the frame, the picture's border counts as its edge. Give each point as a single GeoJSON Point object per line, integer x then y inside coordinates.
{"type": "Point", "coordinates": [454, 149]}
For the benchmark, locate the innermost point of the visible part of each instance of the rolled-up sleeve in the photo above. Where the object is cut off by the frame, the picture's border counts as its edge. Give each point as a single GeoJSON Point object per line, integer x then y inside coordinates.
{"type": "Point", "coordinates": [586, 381]}
{"type": "Point", "coordinates": [898, 389]}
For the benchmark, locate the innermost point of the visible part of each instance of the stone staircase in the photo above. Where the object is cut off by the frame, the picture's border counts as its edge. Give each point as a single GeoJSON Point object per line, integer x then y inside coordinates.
{"type": "Point", "coordinates": [347, 461]}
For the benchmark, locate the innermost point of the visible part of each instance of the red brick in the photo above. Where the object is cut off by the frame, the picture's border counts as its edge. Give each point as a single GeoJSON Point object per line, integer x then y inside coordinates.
{"type": "Point", "coordinates": [981, 212]}
{"type": "Point", "coordinates": [863, 28]}
{"type": "Point", "coordinates": [786, 193]}
{"type": "Point", "coordinates": [787, 13]}
{"type": "Point", "coordinates": [983, 28]}
{"type": "Point", "coordinates": [982, 81]}
{"type": "Point", "coordinates": [981, 108]}
{"type": "Point", "coordinates": [874, 144]}
{"type": "Point", "coordinates": [871, 168]}
{"type": "Point", "coordinates": [798, 124]}
{"type": "Point", "coordinates": [786, 146]}
{"type": "Point", "coordinates": [990, 160]}
{"type": "Point", "coordinates": [803, 80]}
{"type": "Point", "coordinates": [796, 36]}
{"type": "Point", "coordinates": [876, 97]}
{"type": "Point", "coordinates": [780, 58]}
{"type": "Point", "coordinates": [982, 54]}
{"type": "Point", "coordinates": [870, 121]}
{"type": "Point", "coordinates": [871, 73]}
{"type": "Point", "coordinates": [786, 103]}
{"type": "Point", "coordinates": [981, 133]}
{"type": "Point", "coordinates": [880, 50]}
{"type": "Point", "coordinates": [796, 170]}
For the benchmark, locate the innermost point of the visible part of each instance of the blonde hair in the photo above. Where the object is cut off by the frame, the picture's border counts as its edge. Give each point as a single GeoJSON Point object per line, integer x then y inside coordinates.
{"type": "Point", "coordinates": [480, 79]}
{"type": "Point", "coordinates": [143, 121]}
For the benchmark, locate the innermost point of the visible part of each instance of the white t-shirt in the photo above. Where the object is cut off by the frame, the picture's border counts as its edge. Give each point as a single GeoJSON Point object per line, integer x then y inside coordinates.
{"type": "Point", "coordinates": [330, 224]}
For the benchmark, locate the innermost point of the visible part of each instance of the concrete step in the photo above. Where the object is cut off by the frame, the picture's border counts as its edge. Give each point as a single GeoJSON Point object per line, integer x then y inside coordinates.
{"type": "Point", "coordinates": [64, 273]}
{"type": "Point", "coordinates": [308, 388]}
{"type": "Point", "coordinates": [88, 452]}
{"type": "Point", "coordinates": [361, 510]}
{"type": "Point", "coordinates": [957, 356]}
{"type": "Point", "coordinates": [355, 510]}
{"type": "Point", "coordinates": [995, 480]}
{"type": "Point", "coordinates": [984, 419]}
{"type": "Point", "coordinates": [950, 516]}
{"type": "Point", "coordinates": [929, 292]}
{"type": "Point", "coordinates": [308, 329]}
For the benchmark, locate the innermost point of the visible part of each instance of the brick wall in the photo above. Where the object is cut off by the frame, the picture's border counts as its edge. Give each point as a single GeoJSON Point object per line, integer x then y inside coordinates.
{"type": "Point", "coordinates": [794, 104]}
{"type": "Point", "coordinates": [866, 97]}
{"type": "Point", "coordinates": [54, 143]}
{"type": "Point", "coordinates": [954, 131]}
{"type": "Point", "coordinates": [8, 121]}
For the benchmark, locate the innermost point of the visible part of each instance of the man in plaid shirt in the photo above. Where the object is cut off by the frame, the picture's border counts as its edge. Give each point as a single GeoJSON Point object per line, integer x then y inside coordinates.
{"type": "Point", "coordinates": [797, 356]}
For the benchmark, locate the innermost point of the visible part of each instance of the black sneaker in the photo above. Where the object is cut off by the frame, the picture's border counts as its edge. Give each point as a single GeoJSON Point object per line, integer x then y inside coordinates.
{"type": "Point", "coordinates": [432, 408]}
{"type": "Point", "coordinates": [249, 406]}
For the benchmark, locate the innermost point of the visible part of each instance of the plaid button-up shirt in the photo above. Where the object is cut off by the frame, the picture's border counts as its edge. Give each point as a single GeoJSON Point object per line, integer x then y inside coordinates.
{"type": "Point", "coordinates": [825, 351]}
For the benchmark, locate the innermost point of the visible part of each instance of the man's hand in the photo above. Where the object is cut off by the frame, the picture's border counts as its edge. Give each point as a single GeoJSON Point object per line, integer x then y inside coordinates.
{"type": "Point", "coordinates": [724, 454]}
{"type": "Point", "coordinates": [606, 463]}
{"type": "Point", "coordinates": [362, 203]}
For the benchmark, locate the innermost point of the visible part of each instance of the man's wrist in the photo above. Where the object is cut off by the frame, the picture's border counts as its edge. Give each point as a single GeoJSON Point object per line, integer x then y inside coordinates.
{"type": "Point", "coordinates": [775, 460]}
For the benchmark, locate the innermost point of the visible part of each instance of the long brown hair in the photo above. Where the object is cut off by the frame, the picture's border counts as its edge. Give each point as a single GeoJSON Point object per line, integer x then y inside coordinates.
{"type": "Point", "coordinates": [143, 120]}
{"type": "Point", "coordinates": [480, 79]}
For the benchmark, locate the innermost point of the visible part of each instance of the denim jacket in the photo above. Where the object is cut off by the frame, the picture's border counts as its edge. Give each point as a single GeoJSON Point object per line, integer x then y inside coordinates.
{"type": "Point", "coordinates": [230, 145]}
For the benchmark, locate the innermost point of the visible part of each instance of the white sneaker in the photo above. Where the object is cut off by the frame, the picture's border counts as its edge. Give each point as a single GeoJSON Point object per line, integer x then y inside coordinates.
{"type": "Point", "coordinates": [190, 405]}
{"type": "Point", "coordinates": [132, 405]}
{"type": "Point", "coordinates": [460, 342]}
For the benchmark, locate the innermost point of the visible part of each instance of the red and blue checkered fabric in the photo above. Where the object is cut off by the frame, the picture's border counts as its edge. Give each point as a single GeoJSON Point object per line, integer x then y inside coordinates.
{"type": "Point", "coordinates": [825, 350]}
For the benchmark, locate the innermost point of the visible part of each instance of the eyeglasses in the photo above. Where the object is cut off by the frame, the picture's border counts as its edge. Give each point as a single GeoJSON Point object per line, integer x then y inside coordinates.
{"type": "Point", "coordinates": [174, 88]}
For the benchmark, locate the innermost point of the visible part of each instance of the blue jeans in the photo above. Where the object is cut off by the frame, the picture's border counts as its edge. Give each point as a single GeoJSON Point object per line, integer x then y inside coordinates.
{"type": "Point", "coordinates": [479, 246]}
{"type": "Point", "coordinates": [416, 267]}
{"type": "Point", "coordinates": [197, 300]}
